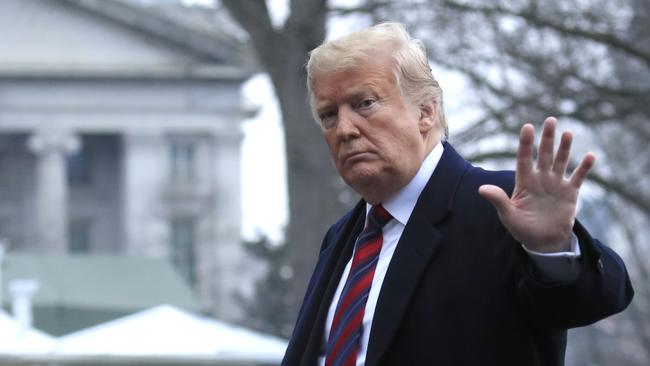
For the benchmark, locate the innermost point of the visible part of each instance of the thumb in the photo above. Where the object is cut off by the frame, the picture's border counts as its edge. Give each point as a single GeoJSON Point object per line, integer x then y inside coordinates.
{"type": "Point", "coordinates": [497, 197]}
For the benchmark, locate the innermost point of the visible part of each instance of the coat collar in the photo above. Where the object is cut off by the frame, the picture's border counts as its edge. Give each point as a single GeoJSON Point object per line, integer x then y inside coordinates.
{"type": "Point", "coordinates": [416, 249]}
{"type": "Point", "coordinates": [307, 339]}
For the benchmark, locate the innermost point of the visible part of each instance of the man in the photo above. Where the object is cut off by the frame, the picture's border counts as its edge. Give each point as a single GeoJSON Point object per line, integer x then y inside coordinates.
{"type": "Point", "coordinates": [441, 263]}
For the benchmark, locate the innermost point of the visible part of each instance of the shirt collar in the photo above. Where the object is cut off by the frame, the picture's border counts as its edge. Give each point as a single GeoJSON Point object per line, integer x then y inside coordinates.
{"type": "Point", "coordinates": [401, 205]}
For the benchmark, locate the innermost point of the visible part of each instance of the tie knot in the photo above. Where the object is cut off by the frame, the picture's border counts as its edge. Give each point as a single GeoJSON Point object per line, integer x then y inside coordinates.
{"type": "Point", "coordinates": [378, 216]}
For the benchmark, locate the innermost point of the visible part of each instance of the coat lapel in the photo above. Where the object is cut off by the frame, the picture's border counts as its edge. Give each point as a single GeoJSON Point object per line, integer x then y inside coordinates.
{"type": "Point", "coordinates": [332, 261]}
{"type": "Point", "coordinates": [415, 251]}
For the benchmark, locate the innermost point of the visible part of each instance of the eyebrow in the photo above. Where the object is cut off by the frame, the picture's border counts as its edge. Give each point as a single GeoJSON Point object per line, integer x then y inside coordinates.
{"type": "Point", "coordinates": [362, 91]}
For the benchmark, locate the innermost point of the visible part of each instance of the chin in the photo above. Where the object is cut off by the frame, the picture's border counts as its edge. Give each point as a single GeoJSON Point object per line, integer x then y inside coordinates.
{"type": "Point", "coordinates": [362, 180]}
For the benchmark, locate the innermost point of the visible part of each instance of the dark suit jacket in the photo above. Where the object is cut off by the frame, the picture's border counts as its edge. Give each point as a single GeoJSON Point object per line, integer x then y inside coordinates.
{"type": "Point", "coordinates": [459, 290]}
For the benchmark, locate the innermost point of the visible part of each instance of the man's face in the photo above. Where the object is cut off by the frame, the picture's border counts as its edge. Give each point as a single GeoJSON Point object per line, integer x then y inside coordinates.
{"type": "Point", "coordinates": [377, 140]}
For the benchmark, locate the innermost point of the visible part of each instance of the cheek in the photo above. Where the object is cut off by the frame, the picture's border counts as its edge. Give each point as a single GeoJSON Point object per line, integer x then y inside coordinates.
{"type": "Point", "coordinates": [405, 146]}
{"type": "Point", "coordinates": [399, 140]}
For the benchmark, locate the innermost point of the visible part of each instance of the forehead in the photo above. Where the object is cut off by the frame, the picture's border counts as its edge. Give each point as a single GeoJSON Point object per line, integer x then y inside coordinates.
{"type": "Point", "coordinates": [370, 75]}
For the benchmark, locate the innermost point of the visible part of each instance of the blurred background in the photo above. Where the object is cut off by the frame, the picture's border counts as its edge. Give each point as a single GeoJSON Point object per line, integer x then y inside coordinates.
{"type": "Point", "coordinates": [164, 191]}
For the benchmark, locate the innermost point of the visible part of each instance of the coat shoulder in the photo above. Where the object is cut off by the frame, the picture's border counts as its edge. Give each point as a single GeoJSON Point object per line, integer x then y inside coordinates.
{"type": "Point", "coordinates": [470, 205]}
{"type": "Point", "coordinates": [477, 176]}
{"type": "Point", "coordinates": [335, 230]}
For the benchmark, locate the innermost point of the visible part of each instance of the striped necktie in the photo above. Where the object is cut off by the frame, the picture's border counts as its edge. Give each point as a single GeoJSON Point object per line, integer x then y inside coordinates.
{"type": "Point", "coordinates": [345, 333]}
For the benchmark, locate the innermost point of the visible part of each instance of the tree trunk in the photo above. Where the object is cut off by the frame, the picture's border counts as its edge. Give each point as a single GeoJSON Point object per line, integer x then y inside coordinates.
{"type": "Point", "coordinates": [315, 188]}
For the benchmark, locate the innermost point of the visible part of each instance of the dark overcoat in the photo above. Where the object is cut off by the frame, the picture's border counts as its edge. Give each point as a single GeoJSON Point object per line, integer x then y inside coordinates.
{"type": "Point", "coordinates": [459, 289]}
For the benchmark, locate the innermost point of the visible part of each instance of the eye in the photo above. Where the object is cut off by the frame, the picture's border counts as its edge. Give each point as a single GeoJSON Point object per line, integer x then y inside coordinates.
{"type": "Point", "coordinates": [327, 119]}
{"type": "Point", "coordinates": [366, 103]}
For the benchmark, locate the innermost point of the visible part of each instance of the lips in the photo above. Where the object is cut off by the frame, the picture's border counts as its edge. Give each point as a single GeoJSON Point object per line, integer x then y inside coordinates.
{"type": "Point", "coordinates": [354, 155]}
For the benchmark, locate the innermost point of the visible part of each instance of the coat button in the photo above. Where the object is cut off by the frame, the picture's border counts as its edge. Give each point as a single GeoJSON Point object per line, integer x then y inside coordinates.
{"type": "Point", "coordinates": [601, 267]}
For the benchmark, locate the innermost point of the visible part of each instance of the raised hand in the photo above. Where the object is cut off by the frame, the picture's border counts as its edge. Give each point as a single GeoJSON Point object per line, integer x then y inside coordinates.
{"type": "Point", "coordinates": [542, 209]}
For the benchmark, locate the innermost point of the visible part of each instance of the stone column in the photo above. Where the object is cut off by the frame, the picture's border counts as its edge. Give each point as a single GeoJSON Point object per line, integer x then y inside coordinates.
{"type": "Point", "coordinates": [143, 177]}
{"type": "Point", "coordinates": [51, 211]}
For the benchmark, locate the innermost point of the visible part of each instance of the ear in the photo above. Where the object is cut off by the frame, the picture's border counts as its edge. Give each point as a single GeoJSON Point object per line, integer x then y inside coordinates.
{"type": "Point", "coordinates": [427, 119]}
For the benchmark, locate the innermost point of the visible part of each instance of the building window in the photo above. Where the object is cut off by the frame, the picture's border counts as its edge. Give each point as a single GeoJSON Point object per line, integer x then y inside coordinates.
{"type": "Point", "coordinates": [79, 168]}
{"type": "Point", "coordinates": [79, 236]}
{"type": "Point", "coordinates": [182, 158]}
{"type": "Point", "coordinates": [183, 246]}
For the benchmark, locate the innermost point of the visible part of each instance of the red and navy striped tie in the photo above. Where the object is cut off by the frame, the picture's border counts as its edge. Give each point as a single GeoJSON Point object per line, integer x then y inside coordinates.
{"type": "Point", "coordinates": [345, 333]}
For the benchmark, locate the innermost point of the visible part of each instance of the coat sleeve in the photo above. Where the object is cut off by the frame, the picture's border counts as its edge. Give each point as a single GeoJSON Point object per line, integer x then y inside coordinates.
{"type": "Point", "coordinates": [601, 289]}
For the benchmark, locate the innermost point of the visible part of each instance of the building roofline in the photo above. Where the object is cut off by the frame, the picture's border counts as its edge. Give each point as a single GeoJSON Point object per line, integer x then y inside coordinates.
{"type": "Point", "coordinates": [193, 73]}
{"type": "Point", "coordinates": [209, 46]}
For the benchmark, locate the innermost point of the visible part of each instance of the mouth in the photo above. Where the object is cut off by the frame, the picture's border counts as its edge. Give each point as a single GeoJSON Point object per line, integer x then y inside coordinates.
{"type": "Point", "coordinates": [355, 156]}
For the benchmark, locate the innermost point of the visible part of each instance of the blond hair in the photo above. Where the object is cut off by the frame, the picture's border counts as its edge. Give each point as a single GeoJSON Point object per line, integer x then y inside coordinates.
{"type": "Point", "coordinates": [411, 67]}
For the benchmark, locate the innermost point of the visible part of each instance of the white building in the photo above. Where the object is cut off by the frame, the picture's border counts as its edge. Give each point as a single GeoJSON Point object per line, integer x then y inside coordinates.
{"type": "Point", "coordinates": [119, 134]}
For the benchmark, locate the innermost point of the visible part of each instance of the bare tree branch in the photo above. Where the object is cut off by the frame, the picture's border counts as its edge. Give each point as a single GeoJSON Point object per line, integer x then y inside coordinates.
{"type": "Point", "coordinates": [534, 17]}
{"type": "Point", "coordinates": [621, 189]}
{"type": "Point", "coordinates": [304, 14]}
{"type": "Point", "coordinates": [254, 17]}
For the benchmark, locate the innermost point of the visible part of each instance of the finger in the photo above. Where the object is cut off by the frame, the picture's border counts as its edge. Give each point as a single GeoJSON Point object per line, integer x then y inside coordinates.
{"type": "Point", "coordinates": [497, 197]}
{"type": "Point", "coordinates": [580, 173]}
{"type": "Point", "coordinates": [563, 153]}
{"type": "Point", "coordinates": [545, 151]}
{"type": "Point", "coordinates": [525, 151]}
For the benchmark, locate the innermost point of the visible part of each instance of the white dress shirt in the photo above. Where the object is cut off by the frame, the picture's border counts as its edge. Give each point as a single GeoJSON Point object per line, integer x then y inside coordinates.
{"type": "Point", "coordinates": [400, 206]}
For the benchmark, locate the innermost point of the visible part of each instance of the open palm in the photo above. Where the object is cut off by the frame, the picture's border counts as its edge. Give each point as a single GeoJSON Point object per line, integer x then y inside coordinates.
{"type": "Point", "coordinates": [541, 211]}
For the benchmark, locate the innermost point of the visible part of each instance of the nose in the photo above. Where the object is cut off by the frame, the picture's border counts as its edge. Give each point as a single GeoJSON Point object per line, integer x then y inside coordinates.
{"type": "Point", "coordinates": [346, 127]}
